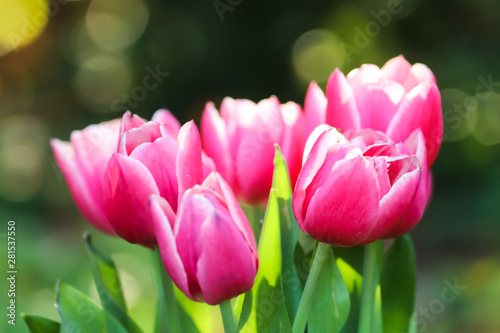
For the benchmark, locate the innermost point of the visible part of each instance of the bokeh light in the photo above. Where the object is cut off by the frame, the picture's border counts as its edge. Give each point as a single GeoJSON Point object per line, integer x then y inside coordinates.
{"type": "Point", "coordinates": [116, 24]}
{"type": "Point", "coordinates": [487, 129]}
{"type": "Point", "coordinates": [316, 54]}
{"type": "Point", "coordinates": [22, 149]}
{"type": "Point", "coordinates": [459, 115]}
{"type": "Point", "coordinates": [21, 22]}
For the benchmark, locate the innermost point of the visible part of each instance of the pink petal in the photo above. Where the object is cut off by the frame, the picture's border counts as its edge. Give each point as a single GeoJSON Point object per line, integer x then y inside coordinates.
{"type": "Point", "coordinates": [397, 69]}
{"type": "Point", "coordinates": [341, 109]}
{"type": "Point", "coordinates": [194, 209]}
{"type": "Point", "coordinates": [327, 138]}
{"type": "Point", "coordinates": [159, 158]}
{"type": "Point", "coordinates": [377, 103]}
{"type": "Point", "coordinates": [165, 117]}
{"type": "Point", "coordinates": [217, 184]}
{"type": "Point", "coordinates": [292, 140]}
{"type": "Point", "coordinates": [126, 187]}
{"type": "Point", "coordinates": [88, 201]}
{"type": "Point", "coordinates": [314, 108]}
{"type": "Point", "coordinates": [226, 266]}
{"type": "Point", "coordinates": [344, 210]}
{"type": "Point", "coordinates": [163, 218]}
{"type": "Point", "coordinates": [416, 144]}
{"type": "Point", "coordinates": [366, 73]}
{"type": "Point", "coordinates": [148, 132]}
{"type": "Point", "coordinates": [188, 164]}
{"type": "Point", "coordinates": [255, 154]}
{"type": "Point", "coordinates": [128, 122]}
{"type": "Point", "coordinates": [395, 204]}
{"type": "Point", "coordinates": [216, 142]}
{"type": "Point", "coordinates": [421, 108]}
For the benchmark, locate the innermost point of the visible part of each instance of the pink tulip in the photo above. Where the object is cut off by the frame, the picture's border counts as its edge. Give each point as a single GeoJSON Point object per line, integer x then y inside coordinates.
{"type": "Point", "coordinates": [82, 162]}
{"type": "Point", "coordinates": [152, 158]}
{"type": "Point", "coordinates": [356, 192]}
{"type": "Point", "coordinates": [396, 99]}
{"type": "Point", "coordinates": [208, 248]}
{"type": "Point", "coordinates": [241, 142]}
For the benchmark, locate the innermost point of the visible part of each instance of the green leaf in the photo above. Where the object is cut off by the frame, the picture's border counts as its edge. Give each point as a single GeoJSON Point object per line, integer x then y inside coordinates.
{"type": "Point", "coordinates": [108, 285]}
{"type": "Point", "coordinates": [80, 314]}
{"type": "Point", "coordinates": [398, 285]}
{"type": "Point", "coordinates": [37, 324]}
{"type": "Point", "coordinates": [292, 287]}
{"type": "Point", "coordinates": [353, 281]}
{"type": "Point", "coordinates": [264, 308]}
{"type": "Point", "coordinates": [331, 302]}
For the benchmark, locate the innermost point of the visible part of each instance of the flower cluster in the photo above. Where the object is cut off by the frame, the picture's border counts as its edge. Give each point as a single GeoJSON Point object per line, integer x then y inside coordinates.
{"type": "Point", "coordinates": [359, 159]}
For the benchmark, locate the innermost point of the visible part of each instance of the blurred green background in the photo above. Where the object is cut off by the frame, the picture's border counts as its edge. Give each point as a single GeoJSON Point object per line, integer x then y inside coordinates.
{"type": "Point", "coordinates": [76, 65]}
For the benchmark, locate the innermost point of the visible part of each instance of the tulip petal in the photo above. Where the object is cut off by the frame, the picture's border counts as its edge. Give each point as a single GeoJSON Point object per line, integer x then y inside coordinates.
{"type": "Point", "coordinates": [216, 142]}
{"type": "Point", "coordinates": [194, 209]}
{"type": "Point", "coordinates": [189, 160]}
{"type": "Point", "coordinates": [341, 109]}
{"type": "Point", "coordinates": [127, 185]}
{"type": "Point", "coordinates": [129, 122]}
{"type": "Point", "coordinates": [421, 108]}
{"type": "Point", "coordinates": [366, 73]}
{"type": "Point", "coordinates": [377, 103]}
{"type": "Point", "coordinates": [292, 140]}
{"type": "Point", "coordinates": [405, 176]}
{"type": "Point", "coordinates": [163, 218]}
{"type": "Point", "coordinates": [255, 154]}
{"type": "Point", "coordinates": [397, 69]}
{"type": "Point", "coordinates": [343, 211]}
{"type": "Point", "coordinates": [226, 267]}
{"type": "Point", "coordinates": [165, 117]}
{"type": "Point", "coordinates": [416, 145]}
{"type": "Point", "coordinates": [88, 199]}
{"type": "Point", "coordinates": [146, 133]}
{"type": "Point", "coordinates": [314, 108]}
{"type": "Point", "coordinates": [217, 184]}
{"type": "Point", "coordinates": [159, 158]}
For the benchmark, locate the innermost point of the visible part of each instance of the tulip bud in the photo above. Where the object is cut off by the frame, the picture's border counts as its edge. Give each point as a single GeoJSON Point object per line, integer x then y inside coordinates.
{"type": "Point", "coordinates": [208, 248]}
{"type": "Point", "coordinates": [152, 158]}
{"type": "Point", "coordinates": [356, 192]}
{"type": "Point", "coordinates": [397, 99]}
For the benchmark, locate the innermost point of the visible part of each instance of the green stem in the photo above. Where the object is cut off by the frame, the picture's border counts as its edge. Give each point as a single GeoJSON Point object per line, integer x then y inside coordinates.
{"type": "Point", "coordinates": [323, 251]}
{"type": "Point", "coordinates": [167, 314]}
{"type": "Point", "coordinates": [370, 301]}
{"type": "Point", "coordinates": [227, 316]}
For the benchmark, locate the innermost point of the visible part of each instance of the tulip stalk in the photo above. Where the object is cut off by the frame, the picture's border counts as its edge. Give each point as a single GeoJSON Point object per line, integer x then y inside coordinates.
{"type": "Point", "coordinates": [370, 312]}
{"type": "Point", "coordinates": [323, 251]}
{"type": "Point", "coordinates": [227, 316]}
{"type": "Point", "coordinates": [167, 315]}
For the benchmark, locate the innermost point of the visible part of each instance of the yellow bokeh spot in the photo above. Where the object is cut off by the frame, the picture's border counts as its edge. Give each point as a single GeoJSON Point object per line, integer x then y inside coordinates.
{"type": "Point", "coordinates": [21, 22]}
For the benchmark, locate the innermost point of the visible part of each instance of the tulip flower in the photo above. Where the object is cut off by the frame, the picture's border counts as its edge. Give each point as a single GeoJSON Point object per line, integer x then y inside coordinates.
{"type": "Point", "coordinates": [208, 248]}
{"type": "Point", "coordinates": [82, 161]}
{"type": "Point", "coordinates": [396, 99]}
{"type": "Point", "coordinates": [152, 158]}
{"type": "Point", "coordinates": [355, 192]}
{"type": "Point", "coordinates": [241, 142]}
